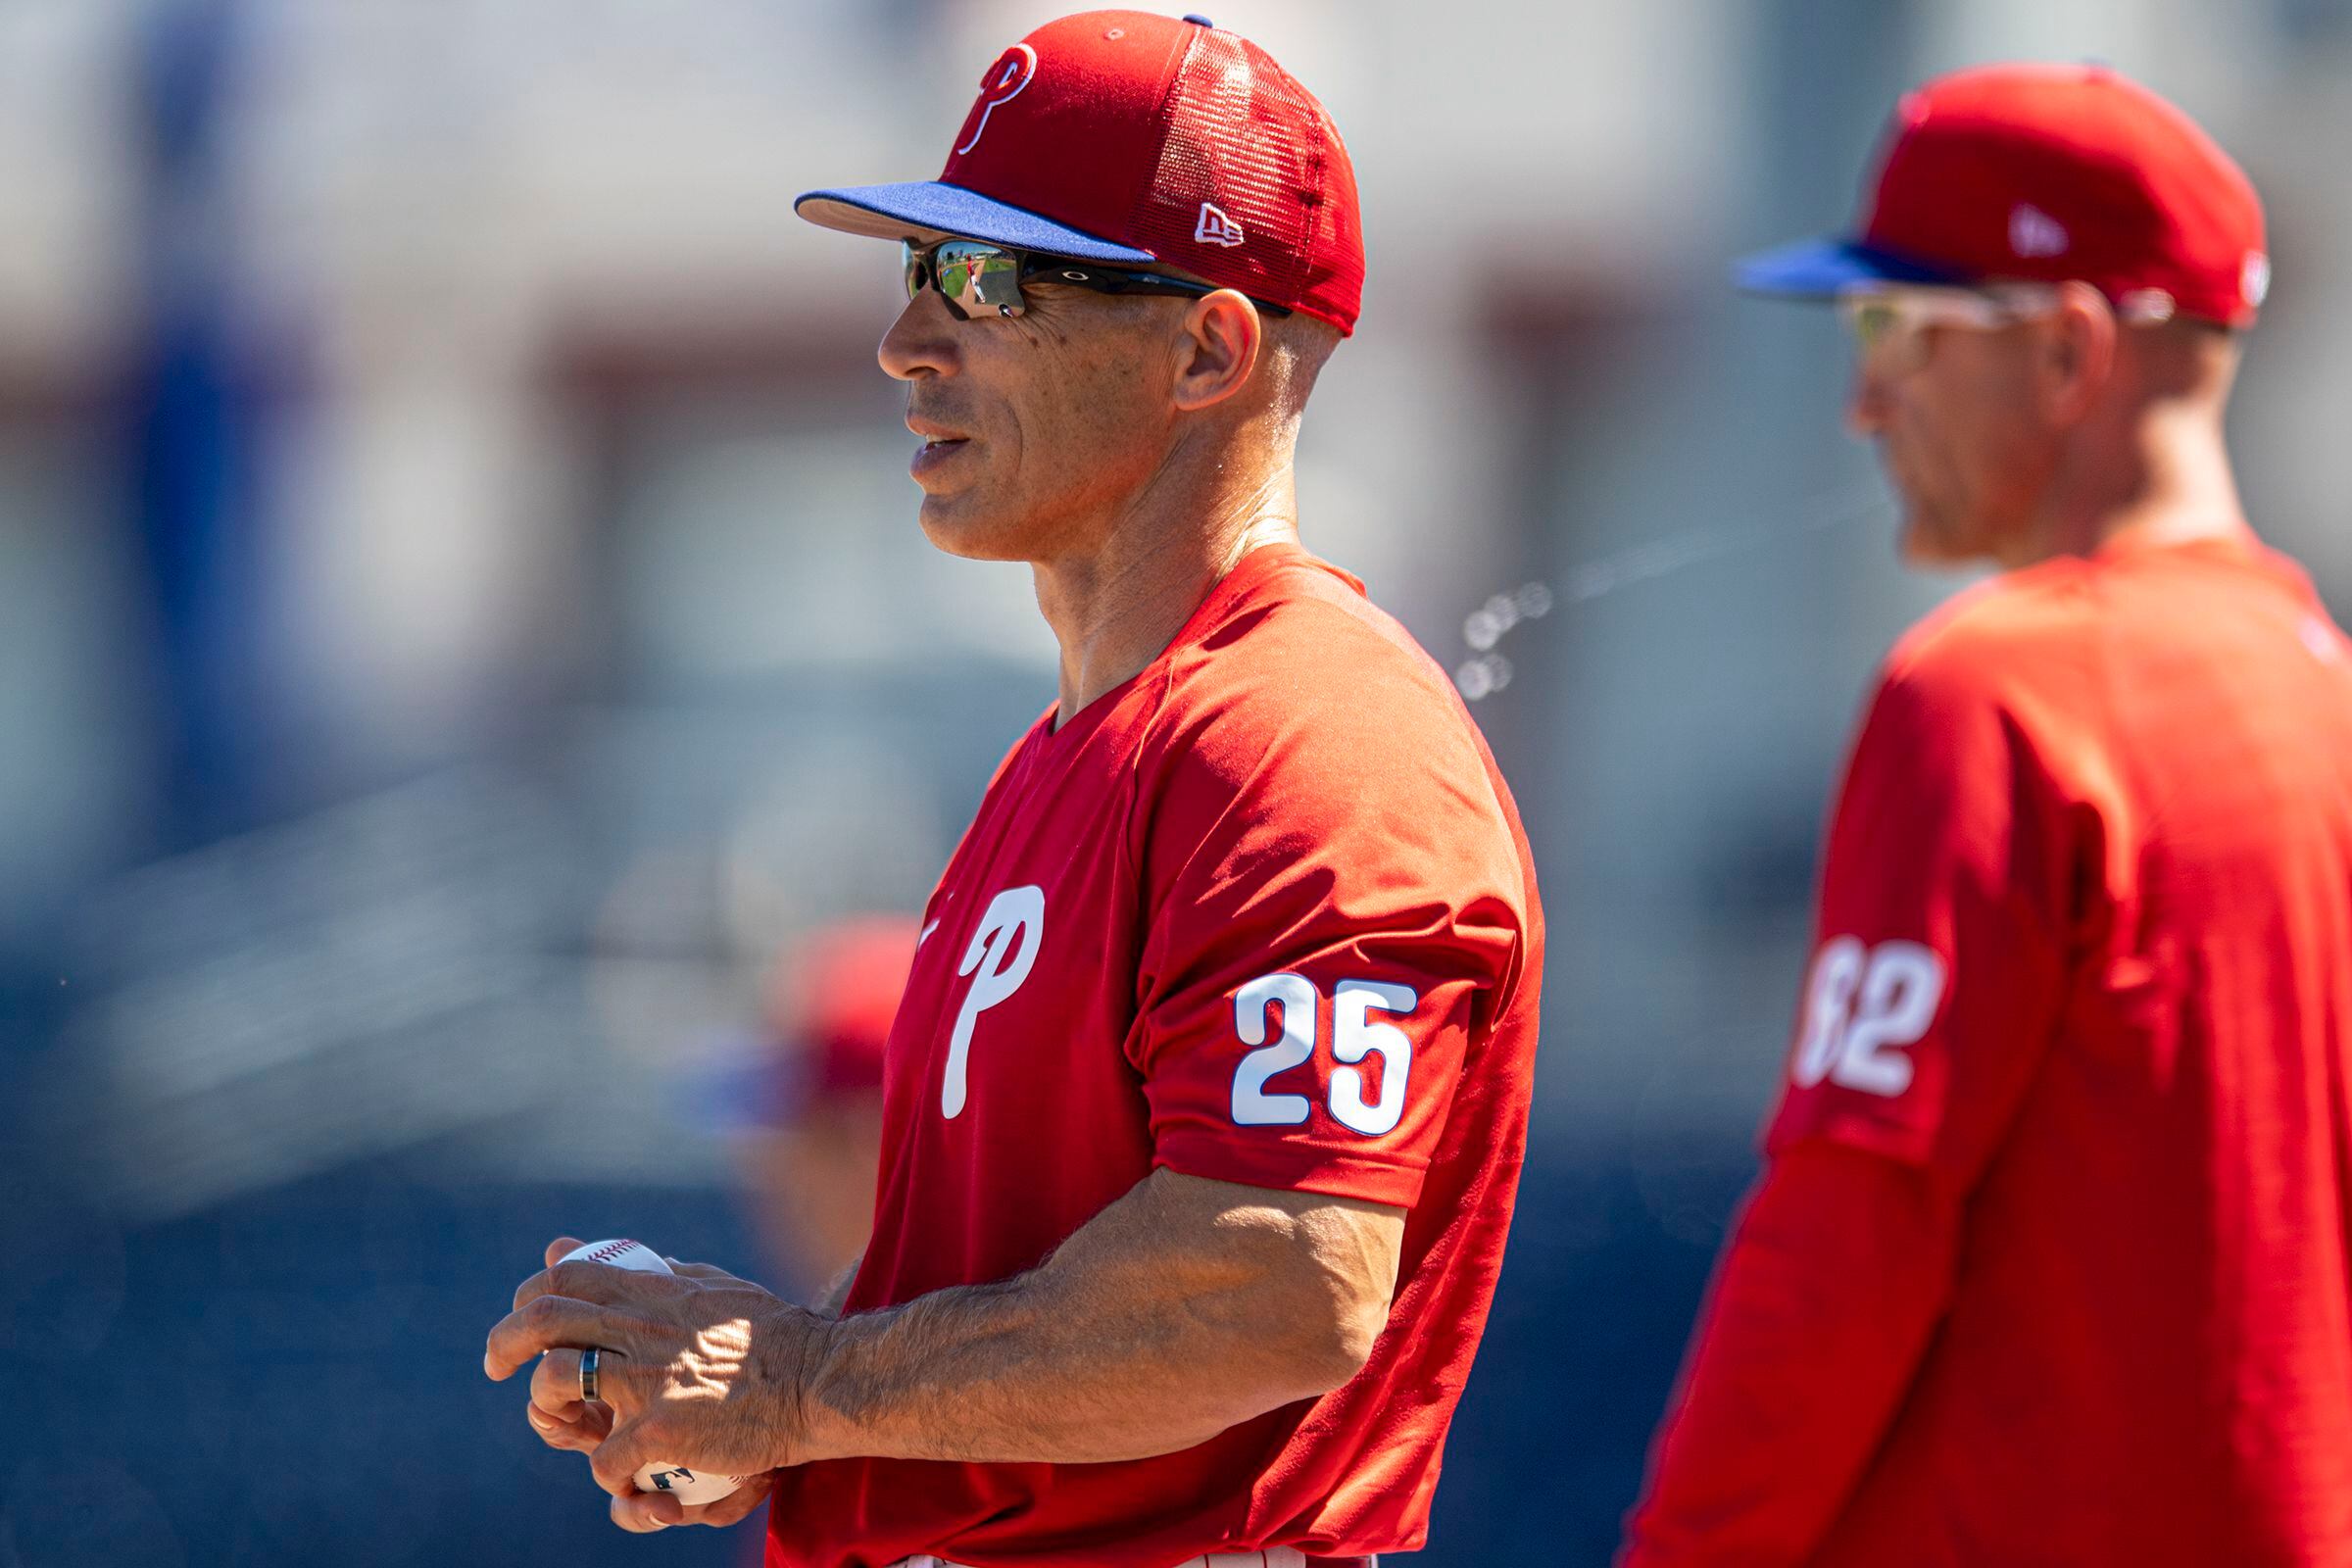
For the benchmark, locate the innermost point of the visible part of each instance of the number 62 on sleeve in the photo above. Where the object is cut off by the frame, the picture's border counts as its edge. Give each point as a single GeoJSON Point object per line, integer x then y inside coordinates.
{"type": "Point", "coordinates": [1863, 1006]}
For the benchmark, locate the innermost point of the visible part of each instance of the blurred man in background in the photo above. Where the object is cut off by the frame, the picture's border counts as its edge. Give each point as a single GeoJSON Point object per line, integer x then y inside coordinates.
{"type": "Point", "coordinates": [810, 1153]}
{"type": "Point", "coordinates": [2049, 1262]}
{"type": "Point", "coordinates": [1205, 1111]}
{"type": "Point", "coordinates": [810, 1138]}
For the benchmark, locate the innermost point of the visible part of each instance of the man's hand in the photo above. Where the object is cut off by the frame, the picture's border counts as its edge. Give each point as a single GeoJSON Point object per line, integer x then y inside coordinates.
{"type": "Point", "coordinates": [1185, 1308]}
{"type": "Point", "coordinates": [698, 1368]}
{"type": "Point", "coordinates": [586, 1426]}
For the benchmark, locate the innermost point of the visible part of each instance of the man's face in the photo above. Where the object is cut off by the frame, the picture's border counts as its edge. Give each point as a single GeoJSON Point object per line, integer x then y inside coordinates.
{"type": "Point", "coordinates": [1945, 389]}
{"type": "Point", "coordinates": [1035, 426]}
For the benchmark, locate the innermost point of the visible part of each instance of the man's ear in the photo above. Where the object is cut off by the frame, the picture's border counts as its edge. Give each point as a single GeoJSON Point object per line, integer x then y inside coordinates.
{"type": "Point", "coordinates": [1220, 338]}
{"type": "Point", "coordinates": [2078, 353]}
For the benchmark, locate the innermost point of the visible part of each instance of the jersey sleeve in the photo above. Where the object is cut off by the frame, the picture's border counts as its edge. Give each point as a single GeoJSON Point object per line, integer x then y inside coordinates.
{"type": "Point", "coordinates": [1938, 966]}
{"type": "Point", "coordinates": [1826, 1295]}
{"type": "Point", "coordinates": [1336, 909]}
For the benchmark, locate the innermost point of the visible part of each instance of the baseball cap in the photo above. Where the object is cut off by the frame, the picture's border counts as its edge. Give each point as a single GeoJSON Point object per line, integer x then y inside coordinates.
{"type": "Point", "coordinates": [1131, 138]}
{"type": "Point", "coordinates": [2043, 172]}
{"type": "Point", "coordinates": [836, 998]}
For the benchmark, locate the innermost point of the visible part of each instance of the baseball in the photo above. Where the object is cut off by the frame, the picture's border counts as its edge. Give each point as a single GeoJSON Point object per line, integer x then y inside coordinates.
{"type": "Point", "coordinates": [684, 1483]}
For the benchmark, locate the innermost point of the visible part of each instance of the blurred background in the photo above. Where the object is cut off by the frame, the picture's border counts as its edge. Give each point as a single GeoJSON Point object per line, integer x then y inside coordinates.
{"type": "Point", "coordinates": [465, 652]}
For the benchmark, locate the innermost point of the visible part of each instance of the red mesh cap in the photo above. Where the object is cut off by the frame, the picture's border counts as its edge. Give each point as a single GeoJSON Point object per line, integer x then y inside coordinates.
{"type": "Point", "coordinates": [1122, 135]}
{"type": "Point", "coordinates": [2044, 174]}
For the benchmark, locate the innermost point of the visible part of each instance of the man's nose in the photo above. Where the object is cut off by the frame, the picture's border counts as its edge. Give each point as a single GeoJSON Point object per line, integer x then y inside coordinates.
{"type": "Point", "coordinates": [1867, 404]}
{"type": "Point", "coordinates": [921, 341]}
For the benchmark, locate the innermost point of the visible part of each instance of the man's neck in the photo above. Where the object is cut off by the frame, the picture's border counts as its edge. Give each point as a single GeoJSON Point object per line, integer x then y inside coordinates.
{"type": "Point", "coordinates": [2169, 481]}
{"type": "Point", "coordinates": [1116, 605]}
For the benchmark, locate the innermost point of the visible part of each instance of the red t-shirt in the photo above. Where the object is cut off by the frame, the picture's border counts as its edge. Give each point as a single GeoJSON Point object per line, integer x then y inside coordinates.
{"type": "Point", "coordinates": [2085, 968]}
{"type": "Point", "coordinates": [1264, 913]}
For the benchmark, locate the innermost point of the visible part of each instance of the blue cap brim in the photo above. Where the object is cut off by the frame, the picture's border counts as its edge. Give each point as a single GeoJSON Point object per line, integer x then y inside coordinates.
{"type": "Point", "coordinates": [933, 209]}
{"type": "Point", "coordinates": [1824, 269]}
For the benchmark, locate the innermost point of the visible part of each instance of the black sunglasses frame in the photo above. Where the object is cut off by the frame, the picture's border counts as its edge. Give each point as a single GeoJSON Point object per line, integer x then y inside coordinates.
{"type": "Point", "coordinates": [1039, 266]}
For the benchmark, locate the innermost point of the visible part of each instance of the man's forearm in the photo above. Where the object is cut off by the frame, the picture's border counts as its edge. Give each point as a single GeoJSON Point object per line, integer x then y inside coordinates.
{"type": "Point", "coordinates": [1153, 1329]}
{"type": "Point", "coordinates": [1825, 1300]}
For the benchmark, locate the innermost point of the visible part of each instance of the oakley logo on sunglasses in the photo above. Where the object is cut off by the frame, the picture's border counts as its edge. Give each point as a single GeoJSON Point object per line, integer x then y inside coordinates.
{"type": "Point", "coordinates": [1002, 83]}
{"type": "Point", "coordinates": [1215, 228]}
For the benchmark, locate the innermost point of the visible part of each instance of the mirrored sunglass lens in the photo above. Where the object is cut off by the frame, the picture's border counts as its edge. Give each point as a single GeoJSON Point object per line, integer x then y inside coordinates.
{"type": "Point", "coordinates": [911, 263]}
{"type": "Point", "coordinates": [994, 278]}
{"type": "Point", "coordinates": [974, 277]}
{"type": "Point", "coordinates": [956, 265]}
{"type": "Point", "coordinates": [955, 276]}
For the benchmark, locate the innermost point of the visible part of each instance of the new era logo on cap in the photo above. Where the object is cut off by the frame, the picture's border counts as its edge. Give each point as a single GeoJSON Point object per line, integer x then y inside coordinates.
{"type": "Point", "coordinates": [1213, 227]}
{"type": "Point", "coordinates": [1132, 138]}
{"type": "Point", "coordinates": [2034, 232]}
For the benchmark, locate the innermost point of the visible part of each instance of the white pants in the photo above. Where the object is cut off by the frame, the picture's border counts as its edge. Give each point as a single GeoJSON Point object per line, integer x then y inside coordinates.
{"type": "Point", "coordinates": [1271, 1558]}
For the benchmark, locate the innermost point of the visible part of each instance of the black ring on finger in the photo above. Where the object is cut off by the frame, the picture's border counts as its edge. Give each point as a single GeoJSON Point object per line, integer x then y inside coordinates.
{"type": "Point", "coordinates": [588, 1373]}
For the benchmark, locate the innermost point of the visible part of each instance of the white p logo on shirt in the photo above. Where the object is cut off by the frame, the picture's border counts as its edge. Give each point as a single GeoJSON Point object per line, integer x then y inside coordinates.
{"type": "Point", "coordinates": [1003, 950]}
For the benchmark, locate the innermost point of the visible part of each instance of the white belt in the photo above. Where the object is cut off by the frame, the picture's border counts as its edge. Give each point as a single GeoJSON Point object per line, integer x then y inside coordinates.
{"type": "Point", "coordinates": [1271, 1558]}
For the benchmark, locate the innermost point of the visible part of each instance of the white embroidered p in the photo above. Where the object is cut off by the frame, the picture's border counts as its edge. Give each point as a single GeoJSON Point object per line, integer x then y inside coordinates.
{"type": "Point", "coordinates": [1003, 950]}
{"type": "Point", "coordinates": [1001, 86]}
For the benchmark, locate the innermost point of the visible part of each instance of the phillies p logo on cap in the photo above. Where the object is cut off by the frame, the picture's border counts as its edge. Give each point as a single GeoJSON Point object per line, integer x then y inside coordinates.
{"type": "Point", "coordinates": [1002, 84]}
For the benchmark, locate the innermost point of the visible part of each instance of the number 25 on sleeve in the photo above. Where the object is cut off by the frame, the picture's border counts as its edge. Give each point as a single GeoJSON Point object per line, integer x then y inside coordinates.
{"type": "Point", "coordinates": [1356, 1035]}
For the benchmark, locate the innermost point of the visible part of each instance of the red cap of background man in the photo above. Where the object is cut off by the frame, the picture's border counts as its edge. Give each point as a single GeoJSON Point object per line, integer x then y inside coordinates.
{"type": "Point", "coordinates": [836, 1000]}
{"type": "Point", "coordinates": [2046, 174]}
{"type": "Point", "coordinates": [1131, 138]}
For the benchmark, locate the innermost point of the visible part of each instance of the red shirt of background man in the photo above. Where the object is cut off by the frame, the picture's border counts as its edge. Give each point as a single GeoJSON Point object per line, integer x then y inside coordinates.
{"type": "Point", "coordinates": [1292, 788]}
{"type": "Point", "coordinates": [2108, 801]}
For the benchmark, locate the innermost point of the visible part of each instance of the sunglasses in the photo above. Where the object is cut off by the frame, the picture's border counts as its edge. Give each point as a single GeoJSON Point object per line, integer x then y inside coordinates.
{"type": "Point", "coordinates": [1890, 323]}
{"type": "Point", "coordinates": [977, 278]}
